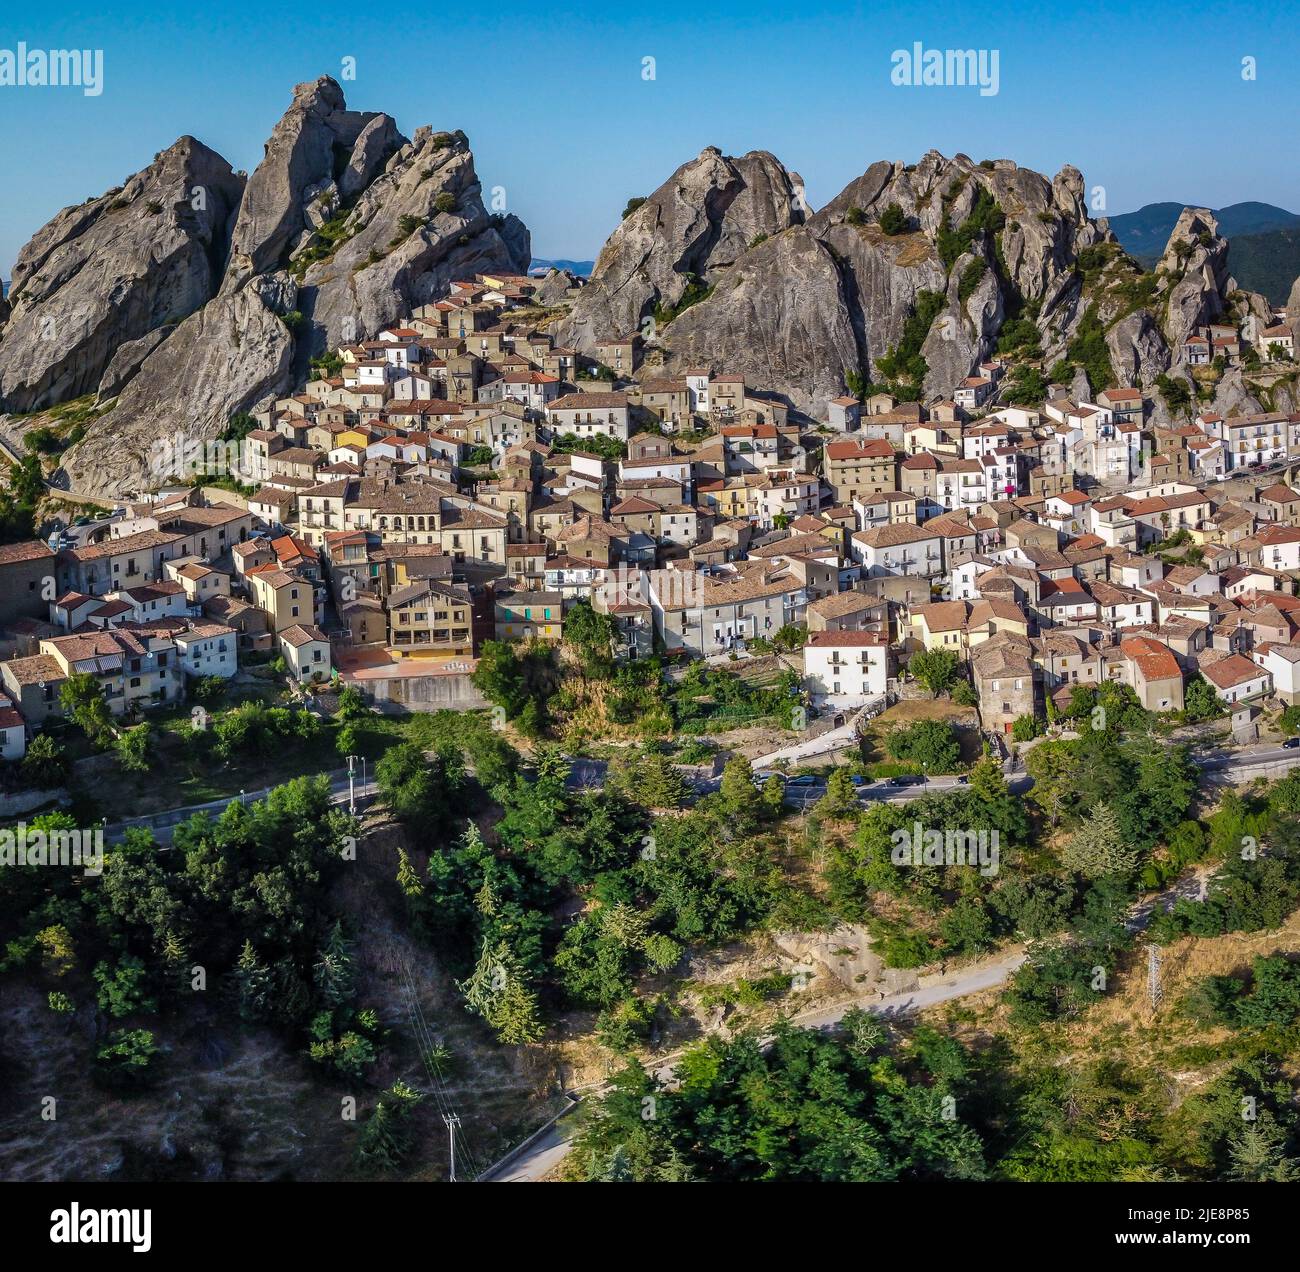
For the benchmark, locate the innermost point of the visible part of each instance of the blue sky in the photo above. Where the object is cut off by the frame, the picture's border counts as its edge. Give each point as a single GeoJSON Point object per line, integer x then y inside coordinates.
{"type": "Point", "coordinates": [1147, 99]}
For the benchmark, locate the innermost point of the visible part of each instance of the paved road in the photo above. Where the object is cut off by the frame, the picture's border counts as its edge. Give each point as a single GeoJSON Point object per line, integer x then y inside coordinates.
{"type": "Point", "coordinates": [541, 1154]}
{"type": "Point", "coordinates": [162, 824]}
{"type": "Point", "coordinates": [537, 1157]}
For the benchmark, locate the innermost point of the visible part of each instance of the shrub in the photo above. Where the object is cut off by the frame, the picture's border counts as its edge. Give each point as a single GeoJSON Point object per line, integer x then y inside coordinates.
{"type": "Point", "coordinates": [892, 220]}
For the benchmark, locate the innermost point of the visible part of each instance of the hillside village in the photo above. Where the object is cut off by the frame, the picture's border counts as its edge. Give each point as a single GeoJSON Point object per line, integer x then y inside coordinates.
{"type": "Point", "coordinates": [458, 477]}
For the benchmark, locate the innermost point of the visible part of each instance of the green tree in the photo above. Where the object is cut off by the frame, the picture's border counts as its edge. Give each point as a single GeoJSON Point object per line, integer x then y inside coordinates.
{"type": "Point", "coordinates": [936, 669]}
{"type": "Point", "coordinates": [45, 764]}
{"type": "Point", "coordinates": [1025, 728]}
{"type": "Point", "coordinates": [658, 784]}
{"type": "Point", "coordinates": [1258, 1154]}
{"type": "Point", "coordinates": [930, 744]}
{"type": "Point", "coordinates": [82, 698]}
{"type": "Point", "coordinates": [592, 634]}
{"type": "Point", "coordinates": [388, 1137]}
{"type": "Point", "coordinates": [122, 988]}
{"type": "Point", "coordinates": [841, 798]}
{"type": "Point", "coordinates": [421, 790]}
{"type": "Point", "coordinates": [126, 1059]}
{"type": "Point", "coordinates": [737, 787]}
{"type": "Point", "coordinates": [1200, 701]}
{"type": "Point", "coordinates": [132, 747]}
{"type": "Point", "coordinates": [254, 983]}
{"type": "Point", "coordinates": [497, 991]}
{"type": "Point", "coordinates": [1098, 848]}
{"type": "Point", "coordinates": [499, 676]}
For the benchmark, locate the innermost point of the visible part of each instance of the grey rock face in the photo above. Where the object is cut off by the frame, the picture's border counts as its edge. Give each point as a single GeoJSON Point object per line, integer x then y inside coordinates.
{"type": "Point", "coordinates": [1196, 258]}
{"type": "Point", "coordinates": [232, 355]}
{"type": "Point", "coordinates": [699, 222]}
{"type": "Point", "coordinates": [1138, 352]}
{"type": "Point", "coordinates": [127, 361]}
{"type": "Point", "coordinates": [112, 270]}
{"type": "Point", "coordinates": [378, 141]}
{"type": "Point", "coordinates": [555, 286]}
{"type": "Point", "coordinates": [878, 277]}
{"type": "Point", "coordinates": [416, 227]}
{"type": "Point", "coordinates": [781, 317]}
{"type": "Point", "coordinates": [259, 286]}
{"type": "Point", "coordinates": [315, 136]}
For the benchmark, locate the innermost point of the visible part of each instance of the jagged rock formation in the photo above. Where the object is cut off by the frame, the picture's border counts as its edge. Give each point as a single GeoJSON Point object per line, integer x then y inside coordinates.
{"type": "Point", "coordinates": [233, 354]}
{"type": "Point", "coordinates": [700, 221]}
{"type": "Point", "coordinates": [112, 270]}
{"type": "Point", "coordinates": [988, 242]}
{"type": "Point", "coordinates": [1197, 259]}
{"type": "Point", "coordinates": [868, 281]}
{"type": "Point", "coordinates": [1293, 305]}
{"type": "Point", "coordinates": [554, 288]}
{"type": "Point", "coordinates": [344, 226]}
{"type": "Point", "coordinates": [781, 316]}
{"type": "Point", "coordinates": [1138, 349]}
{"type": "Point", "coordinates": [417, 226]}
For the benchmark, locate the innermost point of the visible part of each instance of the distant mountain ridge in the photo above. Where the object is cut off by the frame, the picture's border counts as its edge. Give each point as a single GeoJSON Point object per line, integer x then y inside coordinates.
{"type": "Point", "coordinates": [1146, 231]}
{"type": "Point", "coordinates": [580, 268]}
{"type": "Point", "coordinates": [1264, 241]}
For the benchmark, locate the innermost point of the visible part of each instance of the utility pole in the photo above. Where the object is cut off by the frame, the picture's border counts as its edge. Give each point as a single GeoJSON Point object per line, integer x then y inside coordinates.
{"type": "Point", "coordinates": [1154, 992]}
{"type": "Point", "coordinates": [453, 1124]}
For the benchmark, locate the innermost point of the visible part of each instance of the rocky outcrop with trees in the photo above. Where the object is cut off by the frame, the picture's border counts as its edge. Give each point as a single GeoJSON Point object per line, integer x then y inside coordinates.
{"type": "Point", "coordinates": [192, 294]}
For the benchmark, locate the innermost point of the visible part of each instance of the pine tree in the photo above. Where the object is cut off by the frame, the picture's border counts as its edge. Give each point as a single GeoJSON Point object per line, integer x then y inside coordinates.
{"type": "Point", "coordinates": [841, 798]}
{"type": "Point", "coordinates": [515, 1016]}
{"type": "Point", "coordinates": [334, 973]}
{"type": "Point", "coordinates": [255, 982]}
{"type": "Point", "coordinates": [659, 784]}
{"type": "Point", "coordinates": [625, 925]}
{"type": "Point", "coordinates": [1257, 1155]}
{"type": "Point", "coordinates": [1098, 847]}
{"type": "Point", "coordinates": [496, 991]}
{"type": "Point", "coordinates": [771, 800]}
{"type": "Point", "coordinates": [408, 878]}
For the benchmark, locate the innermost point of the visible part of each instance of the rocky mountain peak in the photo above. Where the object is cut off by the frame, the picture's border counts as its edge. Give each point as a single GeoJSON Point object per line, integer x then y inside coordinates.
{"type": "Point", "coordinates": [111, 269]}
{"type": "Point", "coordinates": [673, 247]}
{"type": "Point", "coordinates": [189, 294]}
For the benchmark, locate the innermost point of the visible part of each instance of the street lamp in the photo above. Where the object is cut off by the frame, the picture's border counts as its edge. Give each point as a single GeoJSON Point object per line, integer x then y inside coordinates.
{"type": "Point", "coordinates": [352, 787]}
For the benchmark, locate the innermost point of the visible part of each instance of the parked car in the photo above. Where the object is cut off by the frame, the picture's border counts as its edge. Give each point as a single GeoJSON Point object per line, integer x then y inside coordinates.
{"type": "Point", "coordinates": [1291, 742]}
{"type": "Point", "coordinates": [858, 780]}
{"type": "Point", "coordinates": [907, 779]}
{"type": "Point", "coordinates": [804, 779]}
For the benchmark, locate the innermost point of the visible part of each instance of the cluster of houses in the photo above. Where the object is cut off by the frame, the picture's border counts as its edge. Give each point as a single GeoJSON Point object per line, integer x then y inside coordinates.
{"type": "Point", "coordinates": [460, 478]}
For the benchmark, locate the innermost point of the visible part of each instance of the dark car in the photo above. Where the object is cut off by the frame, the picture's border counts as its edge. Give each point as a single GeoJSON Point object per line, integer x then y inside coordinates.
{"type": "Point", "coordinates": [907, 779]}
{"type": "Point", "coordinates": [858, 780]}
{"type": "Point", "coordinates": [803, 779]}
{"type": "Point", "coordinates": [1291, 742]}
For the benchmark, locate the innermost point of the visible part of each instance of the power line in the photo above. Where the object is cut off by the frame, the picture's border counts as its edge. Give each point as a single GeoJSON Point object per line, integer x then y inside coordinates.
{"type": "Point", "coordinates": [439, 1089]}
